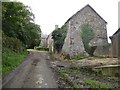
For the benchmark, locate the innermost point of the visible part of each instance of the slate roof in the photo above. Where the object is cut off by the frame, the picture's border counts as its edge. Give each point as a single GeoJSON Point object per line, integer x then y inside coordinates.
{"type": "Point", "coordinates": [83, 9]}
{"type": "Point", "coordinates": [117, 31]}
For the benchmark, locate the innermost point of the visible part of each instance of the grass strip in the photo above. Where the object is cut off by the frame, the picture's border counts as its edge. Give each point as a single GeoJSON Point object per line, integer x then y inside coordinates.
{"type": "Point", "coordinates": [97, 84]}
{"type": "Point", "coordinates": [10, 60]}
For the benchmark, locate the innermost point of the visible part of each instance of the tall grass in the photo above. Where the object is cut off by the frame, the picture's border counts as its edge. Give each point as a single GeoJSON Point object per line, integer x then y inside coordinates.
{"type": "Point", "coordinates": [10, 60]}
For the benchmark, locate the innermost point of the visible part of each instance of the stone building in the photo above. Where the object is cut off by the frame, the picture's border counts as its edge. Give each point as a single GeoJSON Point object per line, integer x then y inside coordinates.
{"type": "Point", "coordinates": [115, 43]}
{"type": "Point", "coordinates": [50, 43]}
{"type": "Point", "coordinates": [43, 42]}
{"type": "Point", "coordinates": [73, 44]}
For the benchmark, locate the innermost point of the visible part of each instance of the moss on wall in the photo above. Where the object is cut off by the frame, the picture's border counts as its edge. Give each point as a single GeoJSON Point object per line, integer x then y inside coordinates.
{"type": "Point", "coordinates": [87, 35]}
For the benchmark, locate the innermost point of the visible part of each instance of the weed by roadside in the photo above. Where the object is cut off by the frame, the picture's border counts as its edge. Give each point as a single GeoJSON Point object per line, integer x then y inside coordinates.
{"type": "Point", "coordinates": [79, 58]}
{"type": "Point", "coordinates": [10, 60]}
{"type": "Point", "coordinates": [65, 74]}
{"type": "Point", "coordinates": [96, 84]}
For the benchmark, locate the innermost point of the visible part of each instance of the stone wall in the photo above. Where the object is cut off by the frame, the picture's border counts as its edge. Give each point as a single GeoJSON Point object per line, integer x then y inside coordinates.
{"type": "Point", "coordinates": [50, 43]}
{"type": "Point", "coordinates": [73, 44]}
{"type": "Point", "coordinates": [43, 42]}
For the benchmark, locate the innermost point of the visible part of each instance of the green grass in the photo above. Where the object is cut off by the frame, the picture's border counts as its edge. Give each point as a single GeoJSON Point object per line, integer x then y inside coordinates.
{"type": "Point", "coordinates": [72, 70]}
{"type": "Point", "coordinates": [63, 73]}
{"type": "Point", "coordinates": [75, 70]}
{"type": "Point", "coordinates": [79, 58]}
{"type": "Point", "coordinates": [96, 84]}
{"type": "Point", "coordinates": [10, 60]}
{"type": "Point", "coordinates": [0, 69]}
{"type": "Point", "coordinates": [113, 78]}
{"type": "Point", "coordinates": [76, 86]}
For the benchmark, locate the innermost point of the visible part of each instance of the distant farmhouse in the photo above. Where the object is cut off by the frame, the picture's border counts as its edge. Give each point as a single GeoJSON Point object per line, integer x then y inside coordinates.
{"type": "Point", "coordinates": [73, 44]}
{"type": "Point", "coordinates": [50, 43]}
{"type": "Point", "coordinates": [115, 41]}
{"type": "Point", "coordinates": [43, 42]}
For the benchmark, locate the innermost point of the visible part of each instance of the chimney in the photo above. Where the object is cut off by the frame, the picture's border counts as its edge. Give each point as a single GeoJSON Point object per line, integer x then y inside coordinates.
{"type": "Point", "coordinates": [56, 26]}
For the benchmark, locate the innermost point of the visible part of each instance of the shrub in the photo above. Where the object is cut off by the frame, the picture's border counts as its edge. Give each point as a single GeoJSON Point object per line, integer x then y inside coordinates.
{"type": "Point", "coordinates": [13, 43]}
{"type": "Point", "coordinates": [58, 35]}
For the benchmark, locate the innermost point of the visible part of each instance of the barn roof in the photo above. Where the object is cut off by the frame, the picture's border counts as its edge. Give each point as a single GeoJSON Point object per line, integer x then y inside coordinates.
{"type": "Point", "coordinates": [83, 9]}
{"type": "Point", "coordinates": [117, 31]}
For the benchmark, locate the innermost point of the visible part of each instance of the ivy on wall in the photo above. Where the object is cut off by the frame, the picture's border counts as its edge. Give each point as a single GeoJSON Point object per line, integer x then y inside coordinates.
{"type": "Point", "coordinates": [87, 35]}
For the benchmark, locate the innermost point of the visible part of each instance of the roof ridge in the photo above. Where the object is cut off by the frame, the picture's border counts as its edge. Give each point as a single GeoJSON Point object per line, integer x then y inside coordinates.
{"type": "Point", "coordinates": [81, 10]}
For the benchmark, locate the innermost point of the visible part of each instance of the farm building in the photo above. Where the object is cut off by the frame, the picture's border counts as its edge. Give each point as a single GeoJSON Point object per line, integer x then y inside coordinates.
{"type": "Point", "coordinates": [86, 18]}
{"type": "Point", "coordinates": [115, 43]}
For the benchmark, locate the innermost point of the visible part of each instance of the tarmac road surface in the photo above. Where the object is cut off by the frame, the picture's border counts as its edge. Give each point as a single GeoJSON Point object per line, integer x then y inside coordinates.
{"type": "Point", "coordinates": [34, 72]}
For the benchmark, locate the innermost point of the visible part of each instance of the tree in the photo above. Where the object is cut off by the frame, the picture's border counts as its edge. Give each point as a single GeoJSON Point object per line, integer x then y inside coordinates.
{"type": "Point", "coordinates": [14, 16]}
{"type": "Point", "coordinates": [59, 37]}
{"type": "Point", "coordinates": [18, 22]}
{"type": "Point", "coordinates": [32, 35]}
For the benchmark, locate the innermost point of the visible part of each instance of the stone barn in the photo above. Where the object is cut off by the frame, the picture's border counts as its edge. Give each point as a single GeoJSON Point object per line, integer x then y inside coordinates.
{"type": "Point", "coordinates": [50, 43]}
{"type": "Point", "coordinates": [43, 42]}
{"type": "Point", "coordinates": [87, 18]}
{"type": "Point", "coordinates": [115, 43]}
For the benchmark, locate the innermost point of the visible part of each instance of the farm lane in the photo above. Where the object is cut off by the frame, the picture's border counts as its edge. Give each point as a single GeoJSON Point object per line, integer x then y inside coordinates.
{"type": "Point", "coordinates": [34, 72]}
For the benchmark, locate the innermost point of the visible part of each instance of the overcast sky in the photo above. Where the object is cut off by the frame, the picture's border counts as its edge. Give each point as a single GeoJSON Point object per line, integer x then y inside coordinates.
{"type": "Point", "coordinates": [48, 13]}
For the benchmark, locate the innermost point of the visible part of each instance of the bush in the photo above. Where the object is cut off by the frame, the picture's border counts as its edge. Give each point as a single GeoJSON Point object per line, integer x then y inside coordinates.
{"type": "Point", "coordinates": [13, 43]}
{"type": "Point", "coordinates": [58, 35]}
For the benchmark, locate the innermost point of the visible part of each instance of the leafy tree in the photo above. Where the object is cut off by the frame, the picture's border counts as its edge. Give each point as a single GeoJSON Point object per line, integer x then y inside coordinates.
{"type": "Point", "coordinates": [58, 37]}
{"type": "Point", "coordinates": [14, 17]}
{"type": "Point", "coordinates": [87, 35]}
{"type": "Point", "coordinates": [32, 35]}
{"type": "Point", "coordinates": [18, 22]}
{"type": "Point", "coordinates": [18, 33]}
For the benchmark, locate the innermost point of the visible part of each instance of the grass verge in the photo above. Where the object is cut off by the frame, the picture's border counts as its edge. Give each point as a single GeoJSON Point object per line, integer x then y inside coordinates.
{"type": "Point", "coordinates": [96, 84]}
{"type": "Point", "coordinates": [10, 60]}
{"type": "Point", "coordinates": [79, 58]}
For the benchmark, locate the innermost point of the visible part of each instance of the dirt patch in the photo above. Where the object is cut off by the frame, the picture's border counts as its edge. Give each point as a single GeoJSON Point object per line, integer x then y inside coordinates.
{"type": "Point", "coordinates": [96, 62]}
{"type": "Point", "coordinates": [35, 62]}
{"type": "Point", "coordinates": [72, 75]}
